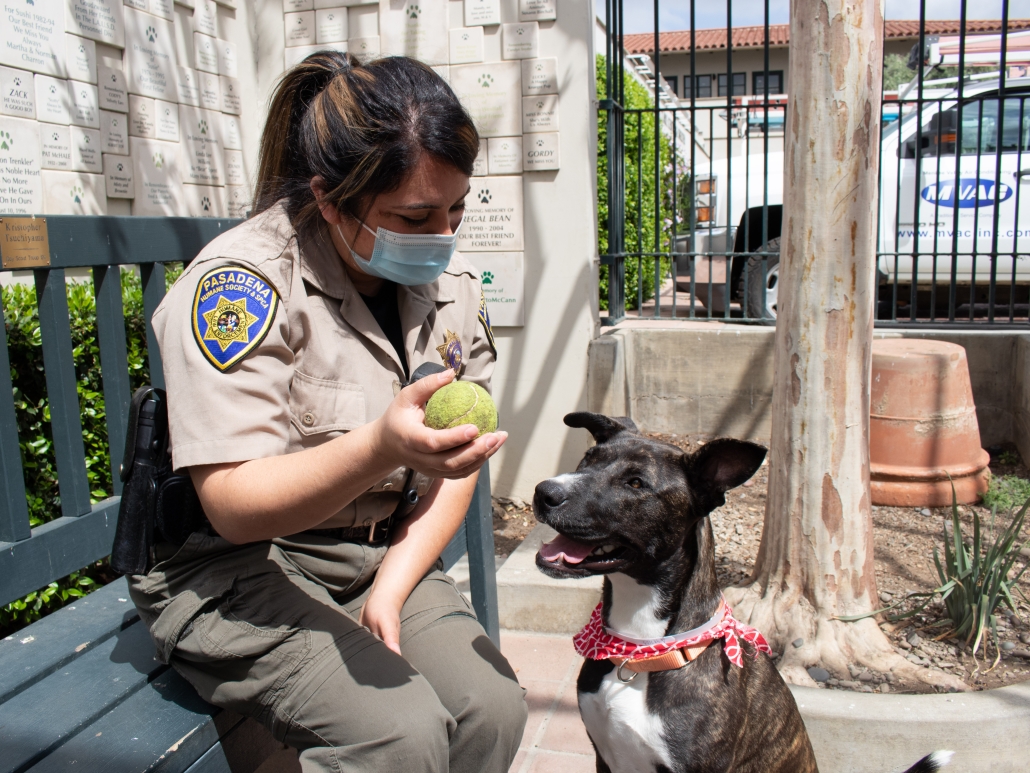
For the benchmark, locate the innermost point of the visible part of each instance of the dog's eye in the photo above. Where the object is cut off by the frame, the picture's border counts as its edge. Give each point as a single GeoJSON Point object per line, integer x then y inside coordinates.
{"type": "Point", "coordinates": [636, 483]}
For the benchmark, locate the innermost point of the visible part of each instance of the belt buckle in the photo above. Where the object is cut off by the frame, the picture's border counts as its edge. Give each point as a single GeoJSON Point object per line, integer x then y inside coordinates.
{"type": "Point", "coordinates": [385, 524]}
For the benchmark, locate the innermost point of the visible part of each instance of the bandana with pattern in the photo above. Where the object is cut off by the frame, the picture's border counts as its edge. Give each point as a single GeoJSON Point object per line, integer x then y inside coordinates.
{"type": "Point", "coordinates": [599, 643]}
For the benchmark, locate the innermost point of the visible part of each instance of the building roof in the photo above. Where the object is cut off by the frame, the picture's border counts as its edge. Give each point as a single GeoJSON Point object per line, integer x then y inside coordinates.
{"type": "Point", "coordinates": [779, 35]}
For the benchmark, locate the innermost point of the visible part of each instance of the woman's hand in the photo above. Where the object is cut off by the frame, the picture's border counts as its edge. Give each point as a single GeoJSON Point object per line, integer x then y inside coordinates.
{"type": "Point", "coordinates": [382, 616]}
{"type": "Point", "coordinates": [402, 438]}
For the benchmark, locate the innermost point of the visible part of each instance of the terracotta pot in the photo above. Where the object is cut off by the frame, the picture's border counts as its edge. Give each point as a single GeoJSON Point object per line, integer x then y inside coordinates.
{"type": "Point", "coordinates": [923, 426]}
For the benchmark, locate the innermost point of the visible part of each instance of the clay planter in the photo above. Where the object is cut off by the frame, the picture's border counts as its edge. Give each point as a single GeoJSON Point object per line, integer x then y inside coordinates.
{"type": "Point", "coordinates": [923, 426]}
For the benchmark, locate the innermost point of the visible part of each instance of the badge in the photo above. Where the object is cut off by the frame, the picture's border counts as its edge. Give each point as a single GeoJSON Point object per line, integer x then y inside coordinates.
{"type": "Point", "coordinates": [450, 351]}
{"type": "Point", "coordinates": [232, 312]}
{"type": "Point", "coordinates": [484, 319]}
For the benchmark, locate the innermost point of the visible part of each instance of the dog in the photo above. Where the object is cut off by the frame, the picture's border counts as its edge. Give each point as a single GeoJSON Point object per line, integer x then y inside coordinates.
{"type": "Point", "coordinates": [636, 511]}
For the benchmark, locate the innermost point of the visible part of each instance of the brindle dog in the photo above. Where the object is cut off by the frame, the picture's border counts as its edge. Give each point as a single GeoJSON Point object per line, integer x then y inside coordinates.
{"type": "Point", "coordinates": [636, 511]}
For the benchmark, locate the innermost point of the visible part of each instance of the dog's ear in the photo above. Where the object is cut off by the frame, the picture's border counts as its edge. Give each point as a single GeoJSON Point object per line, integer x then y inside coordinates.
{"type": "Point", "coordinates": [603, 428]}
{"type": "Point", "coordinates": [721, 465]}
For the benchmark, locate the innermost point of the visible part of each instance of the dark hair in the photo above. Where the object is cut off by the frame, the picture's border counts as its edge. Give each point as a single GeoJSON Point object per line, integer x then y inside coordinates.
{"type": "Point", "coordinates": [361, 128]}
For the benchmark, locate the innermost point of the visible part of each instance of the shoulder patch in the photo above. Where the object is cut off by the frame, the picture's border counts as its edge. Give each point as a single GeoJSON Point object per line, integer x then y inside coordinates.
{"type": "Point", "coordinates": [484, 319]}
{"type": "Point", "coordinates": [233, 310]}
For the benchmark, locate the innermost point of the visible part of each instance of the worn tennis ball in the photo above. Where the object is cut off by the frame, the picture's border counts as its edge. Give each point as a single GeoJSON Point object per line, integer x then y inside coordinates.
{"type": "Point", "coordinates": [461, 402]}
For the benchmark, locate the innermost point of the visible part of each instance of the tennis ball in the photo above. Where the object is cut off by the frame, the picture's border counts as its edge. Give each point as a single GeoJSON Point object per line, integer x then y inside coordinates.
{"type": "Point", "coordinates": [461, 402]}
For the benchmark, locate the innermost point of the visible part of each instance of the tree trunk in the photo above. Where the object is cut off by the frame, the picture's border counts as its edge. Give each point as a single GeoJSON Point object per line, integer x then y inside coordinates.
{"type": "Point", "coordinates": [816, 557]}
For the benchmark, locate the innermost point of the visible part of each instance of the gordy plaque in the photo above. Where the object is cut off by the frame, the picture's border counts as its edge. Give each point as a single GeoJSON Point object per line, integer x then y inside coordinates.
{"type": "Point", "coordinates": [24, 243]}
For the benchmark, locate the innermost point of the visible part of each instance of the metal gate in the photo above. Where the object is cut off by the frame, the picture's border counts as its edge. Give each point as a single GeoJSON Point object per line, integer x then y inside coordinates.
{"type": "Point", "coordinates": [691, 170]}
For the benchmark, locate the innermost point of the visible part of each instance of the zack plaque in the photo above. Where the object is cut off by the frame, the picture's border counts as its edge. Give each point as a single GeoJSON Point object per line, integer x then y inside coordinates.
{"type": "Point", "coordinates": [24, 242]}
{"type": "Point", "coordinates": [21, 188]}
{"type": "Point", "coordinates": [19, 93]}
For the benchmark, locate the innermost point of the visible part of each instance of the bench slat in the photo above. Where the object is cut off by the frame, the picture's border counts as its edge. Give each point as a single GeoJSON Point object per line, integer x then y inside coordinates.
{"type": "Point", "coordinates": [59, 368]}
{"type": "Point", "coordinates": [153, 276]}
{"type": "Point", "coordinates": [51, 643]}
{"type": "Point", "coordinates": [213, 761]}
{"type": "Point", "coordinates": [114, 362]}
{"type": "Point", "coordinates": [38, 720]}
{"type": "Point", "coordinates": [482, 566]}
{"type": "Point", "coordinates": [14, 509]}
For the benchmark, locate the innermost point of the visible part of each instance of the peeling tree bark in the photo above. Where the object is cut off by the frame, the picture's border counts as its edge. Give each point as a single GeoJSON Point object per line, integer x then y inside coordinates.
{"type": "Point", "coordinates": [816, 557]}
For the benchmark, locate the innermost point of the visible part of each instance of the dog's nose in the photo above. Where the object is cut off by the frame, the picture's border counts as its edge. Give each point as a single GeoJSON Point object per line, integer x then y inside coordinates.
{"type": "Point", "coordinates": [551, 493]}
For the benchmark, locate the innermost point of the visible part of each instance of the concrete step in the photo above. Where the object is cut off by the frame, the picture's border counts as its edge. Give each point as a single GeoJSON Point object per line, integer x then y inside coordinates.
{"type": "Point", "coordinates": [529, 600]}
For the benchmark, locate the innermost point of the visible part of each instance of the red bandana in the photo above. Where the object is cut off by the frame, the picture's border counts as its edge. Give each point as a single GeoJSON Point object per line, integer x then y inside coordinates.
{"type": "Point", "coordinates": [599, 643]}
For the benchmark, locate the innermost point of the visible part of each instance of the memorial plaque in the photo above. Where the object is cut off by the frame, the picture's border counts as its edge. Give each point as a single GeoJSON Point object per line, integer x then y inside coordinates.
{"type": "Point", "coordinates": [481, 166]}
{"type": "Point", "coordinates": [86, 149]}
{"type": "Point", "coordinates": [74, 193]}
{"type": "Point", "coordinates": [231, 138]}
{"type": "Point", "coordinates": [202, 162]}
{"type": "Point", "coordinates": [99, 20]}
{"type": "Point", "coordinates": [187, 86]}
{"type": "Point", "coordinates": [481, 13]}
{"type": "Point", "coordinates": [150, 56]}
{"type": "Point", "coordinates": [56, 146]}
{"type": "Point", "coordinates": [538, 10]}
{"type": "Point", "coordinates": [298, 5]}
{"type": "Point", "coordinates": [230, 95]}
{"type": "Point", "coordinates": [155, 173]}
{"type": "Point", "coordinates": [539, 76]}
{"type": "Point", "coordinates": [210, 91]}
{"type": "Point", "coordinates": [228, 61]}
{"type": "Point", "coordinates": [505, 155]}
{"type": "Point", "coordinates": [503, 278]}
{"type": "Point", "coordinates": [540, 152]}
{"type": "Point", "coordinates": [21, 188]}
{"type": "Point", "coordinates": [364, 49]}
{"type": "Point", "coordinates": [114, 133]}
{"type": "Point", "coordinates": [492, 93]}
{"type": "Point", "coordinates": [205, 17]}
{"type": "Point", "coordinates": [234, 168]}
{"type": "Point", "coordinates": [164, 9]}
{"type": "Point", "coordinates": [80, 58]}
{"type": "Point", "coordinates": [112, 88]}
{"type": "Point", "coordinates": [24, 242]}
{"type": "Point", "coordinates": [19, 93]}
{"type": "Point", "coordinates": [32, 35]}
{"type": "Point", "coordinates": [237, 200]}
{"type": "Point", "coordinates": [118, 177]}
{"type": "Point", "coordinates": [205, 201]}
{"type": "Point", "coordinates": [363, 21]}
{"type": "Point", "coordinates": [300, 28]}
{"type": "Point", "coordinates": [85, 104]}
{"type": "Point", "coordinates": [53, 100]}
{"type": "Point", "coordinates": [139, 5]}
{"type": "Point", "coordinates": [493, 216]}
{"type": "Point", "coordinates": [520, 40]}
{"type": "Point", "coordinates": [467, 45]}
{"type": "Point", "coordinates": [540, 114]}
{"type": "Point", "coordinates": [205, 53]}
{"type": "Point", "coordinates": [142, 117]}
{"type": "Point", "coordinates": [167, 123]}
{"type": "Point", "coordinates": [416, 28]}
{"type": "Point", "coordinates": [331, 25]}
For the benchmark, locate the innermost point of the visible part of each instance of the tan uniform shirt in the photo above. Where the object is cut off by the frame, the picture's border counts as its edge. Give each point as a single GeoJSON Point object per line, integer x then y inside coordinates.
{"type": "Point", "coordinates": [316, 363]}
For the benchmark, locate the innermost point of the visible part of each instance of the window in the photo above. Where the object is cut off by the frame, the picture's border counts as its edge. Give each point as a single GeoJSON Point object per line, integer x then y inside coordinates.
{"type": "Point", "coordinates": [775, 82]}
{"type": "Point", "coordinates": [739, 84]}
{"type": "Point", "coordinates": [979, 129]}
{"type": "Point", "coordinates": [673, 82]}
{"type": "Point", "coordinates": [704, 86]}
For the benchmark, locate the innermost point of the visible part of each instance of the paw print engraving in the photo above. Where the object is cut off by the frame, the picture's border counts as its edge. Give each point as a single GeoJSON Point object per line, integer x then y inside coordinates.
{"type": "Point", "coordinates": [120, 167]}
{"type": "Point", "coordinates": [83, 95]}
{"type": "Point", "coordinates": [202, 126]}
{"type": "Point", "coordinates": [520, 31]}
{"type": "Point", "coordinates": [465, 36]}
{"type": "Point", "coordinates": [504, 146]}
{"type": "Point", "coordinates": [85, 138]}
{"type": "Point", "coordinates": [76, 194]}
{"type": "Point", "coordinates": [486, 80]}
{"type": "Point", "coordinates": [151, 34]}
{"type": "Point", "coordinates": [53, 89]}
{"type": "Point", "coordinates": [539, 143]}
{"type": "Point", "coordinates": [82, 49]}
{"type": "Point", "coordinates": [114, 78]}
{"type": "Point", "coordinates": [159, 160]}
{"type": "Point", "coordinates": [413, 11]}
{"type": "Point", "coordinates": [205, 204]}
{"type": "Point", "coordinates": [17, 81]}
{"type": "Point", "coordinates": [29, 2]}
{"type": "Point", "coordinates": [488, 278]}
{"type": "Point", "coordinates": [143, 107]}
{"type": "Point", "coordinates": [5, 141]}
{"type": "Point", "coordinates": [484, 196]}
{"type": "Point", "coordinates": [539, 68]}
{"type": "Point", "coordinates": [540, 105]}
{"type": "Point", "coordinates": [114, 123]}
{"type": "Point", "coordinates": [330, 17]}
{"type": "Point", "coordinates": [55, 137]}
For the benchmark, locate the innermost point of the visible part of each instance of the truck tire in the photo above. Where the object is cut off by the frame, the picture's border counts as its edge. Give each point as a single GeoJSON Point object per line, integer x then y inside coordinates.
{"type": "Point", "coordinates": [753, 306]}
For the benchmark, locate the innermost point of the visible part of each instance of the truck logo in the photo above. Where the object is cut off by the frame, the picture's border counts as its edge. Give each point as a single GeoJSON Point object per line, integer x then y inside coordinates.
{"type": "Point", "coordinates": [966, 193]}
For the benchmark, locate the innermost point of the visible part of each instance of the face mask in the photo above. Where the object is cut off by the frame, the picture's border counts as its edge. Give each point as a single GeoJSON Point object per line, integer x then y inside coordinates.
{"type": "Point", "coordinates": [407, 259]}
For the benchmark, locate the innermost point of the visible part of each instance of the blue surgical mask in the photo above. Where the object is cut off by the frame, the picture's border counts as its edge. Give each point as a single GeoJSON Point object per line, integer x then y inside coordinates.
{"type": "Point", "coordinates": [407, 259]}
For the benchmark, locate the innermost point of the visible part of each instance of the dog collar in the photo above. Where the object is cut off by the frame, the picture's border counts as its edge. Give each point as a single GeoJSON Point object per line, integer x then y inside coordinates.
{"type": "Point", "coordinates": [597, 642]}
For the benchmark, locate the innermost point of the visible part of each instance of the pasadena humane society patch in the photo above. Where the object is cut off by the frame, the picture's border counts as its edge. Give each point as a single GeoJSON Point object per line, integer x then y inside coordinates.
{"type": "Point", "coordinates": [232, 311]}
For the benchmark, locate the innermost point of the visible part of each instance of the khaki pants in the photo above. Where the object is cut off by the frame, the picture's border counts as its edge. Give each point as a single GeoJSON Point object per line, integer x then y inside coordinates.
{"type": "Point", "coordinates": [270, 631]}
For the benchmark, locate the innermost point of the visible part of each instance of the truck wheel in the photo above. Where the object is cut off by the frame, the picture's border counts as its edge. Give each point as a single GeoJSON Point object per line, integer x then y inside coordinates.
{"type": "Point", "coordinates": [755, 281]}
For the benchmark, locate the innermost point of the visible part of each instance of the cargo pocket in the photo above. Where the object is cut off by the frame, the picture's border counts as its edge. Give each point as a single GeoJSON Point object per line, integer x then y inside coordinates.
{"type": "Point", "coordinates": [318, 405]}
{"type": "Point", "coordinates": [172, 618]}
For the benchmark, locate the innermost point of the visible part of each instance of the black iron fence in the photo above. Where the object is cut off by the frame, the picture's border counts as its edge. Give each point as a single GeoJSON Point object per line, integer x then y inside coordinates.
{"type": "Point", "coordinates": [692, 150]}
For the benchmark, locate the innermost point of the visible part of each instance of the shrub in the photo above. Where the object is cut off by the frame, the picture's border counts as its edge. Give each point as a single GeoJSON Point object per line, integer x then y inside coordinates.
{"type": "Point", "coordinates": [1006, 492]}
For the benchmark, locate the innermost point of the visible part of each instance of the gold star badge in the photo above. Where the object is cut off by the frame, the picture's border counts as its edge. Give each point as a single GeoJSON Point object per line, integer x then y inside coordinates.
{"type": "Point", "coordinates": [227, 323]}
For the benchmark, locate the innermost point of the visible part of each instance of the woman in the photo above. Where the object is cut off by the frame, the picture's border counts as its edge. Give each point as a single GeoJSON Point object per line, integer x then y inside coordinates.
{"type": "Point", "coordinates": [313, 602]}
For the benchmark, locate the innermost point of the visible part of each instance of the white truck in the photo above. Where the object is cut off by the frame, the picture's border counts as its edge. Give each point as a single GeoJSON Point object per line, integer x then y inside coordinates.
{"type": "Point", "coordinates": [945, 207]}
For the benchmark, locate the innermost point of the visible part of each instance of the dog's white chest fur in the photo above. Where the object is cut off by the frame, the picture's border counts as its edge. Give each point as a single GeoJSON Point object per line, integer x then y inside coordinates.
{"type": "Point", "coordinates": [628, 737]}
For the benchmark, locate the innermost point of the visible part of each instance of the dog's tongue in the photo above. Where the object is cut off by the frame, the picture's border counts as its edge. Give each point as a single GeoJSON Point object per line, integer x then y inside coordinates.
{"type": "Point", "coordinates": [562, 547]}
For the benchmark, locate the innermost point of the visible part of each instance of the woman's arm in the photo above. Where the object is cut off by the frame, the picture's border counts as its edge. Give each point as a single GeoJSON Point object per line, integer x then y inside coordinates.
{"type": "Point", "coordinates": [275, 496]}
{"type": "Point", "coordinates": [415, 546]}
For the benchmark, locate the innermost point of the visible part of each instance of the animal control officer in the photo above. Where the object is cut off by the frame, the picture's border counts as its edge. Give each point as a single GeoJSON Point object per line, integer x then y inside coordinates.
{"type": "Point", "coordinates": [312, 603]}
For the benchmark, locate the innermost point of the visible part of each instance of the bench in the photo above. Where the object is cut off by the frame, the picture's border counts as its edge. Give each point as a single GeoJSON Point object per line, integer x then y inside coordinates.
{"type": "Point", "coordinates": [82, 689]}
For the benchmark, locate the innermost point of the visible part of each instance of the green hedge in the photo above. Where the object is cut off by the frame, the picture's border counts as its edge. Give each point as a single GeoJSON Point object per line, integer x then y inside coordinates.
{"type": "Point", "coordinates": [33, 415]}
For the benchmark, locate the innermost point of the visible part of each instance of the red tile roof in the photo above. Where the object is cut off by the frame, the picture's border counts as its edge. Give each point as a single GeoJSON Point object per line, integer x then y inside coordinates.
{"type": "Point", "coordinates": [779, 35]}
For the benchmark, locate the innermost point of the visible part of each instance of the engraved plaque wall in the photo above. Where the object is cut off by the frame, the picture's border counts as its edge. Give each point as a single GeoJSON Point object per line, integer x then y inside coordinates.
{"type": "Point", "coordinates": [21, 187]}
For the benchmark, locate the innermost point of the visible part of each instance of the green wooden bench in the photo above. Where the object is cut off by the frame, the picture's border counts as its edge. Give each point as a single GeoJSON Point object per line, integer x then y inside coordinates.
{"type": "Point", "coordinates": [82, 690]}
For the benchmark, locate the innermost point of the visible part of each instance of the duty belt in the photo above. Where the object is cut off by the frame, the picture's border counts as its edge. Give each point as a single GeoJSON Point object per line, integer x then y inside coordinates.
{"type": "Point", "coordinates": [374, 534]}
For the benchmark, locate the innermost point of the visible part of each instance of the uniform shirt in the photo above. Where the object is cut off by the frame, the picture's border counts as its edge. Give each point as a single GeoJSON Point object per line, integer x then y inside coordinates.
{"type": "Point", "coordinates": [314, 362]}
